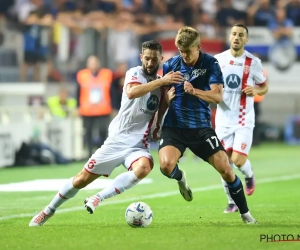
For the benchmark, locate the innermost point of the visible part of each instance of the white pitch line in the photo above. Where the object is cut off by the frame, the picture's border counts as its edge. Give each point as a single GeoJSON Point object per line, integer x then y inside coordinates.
{"type": "Point", "coordinates": [152, 196]}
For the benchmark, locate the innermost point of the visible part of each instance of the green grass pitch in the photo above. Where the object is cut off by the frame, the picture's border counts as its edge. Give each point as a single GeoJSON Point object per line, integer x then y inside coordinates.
{"type": "Point", "coordinates": [177, 224]}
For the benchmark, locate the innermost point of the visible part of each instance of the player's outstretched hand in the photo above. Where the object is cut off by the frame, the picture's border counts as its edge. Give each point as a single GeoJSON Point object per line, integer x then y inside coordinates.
{"type": "Point", "coordinates": [172, 78]}
{"type": "Point", "coordinates": [249, 90]}
{"type": "Point", "coordinates": [188, 88]}
{"type": "Point", "coordinates": [169, 95]}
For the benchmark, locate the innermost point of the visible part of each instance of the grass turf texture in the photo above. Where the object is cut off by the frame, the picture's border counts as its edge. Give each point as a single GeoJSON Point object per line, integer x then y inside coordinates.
{"type": "Point", "coordinates": [177, 224]}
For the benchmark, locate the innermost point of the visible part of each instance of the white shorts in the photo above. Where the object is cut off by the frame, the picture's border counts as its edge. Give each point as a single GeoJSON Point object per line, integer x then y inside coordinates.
{"type": "Point", "coordinates": [112, 154]}
{"type": "Point", "coordinates": [234, 139]}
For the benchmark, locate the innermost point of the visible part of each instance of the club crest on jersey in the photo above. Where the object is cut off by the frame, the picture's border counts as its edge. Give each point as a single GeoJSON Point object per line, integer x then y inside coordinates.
{"type": "Point", "coordinates": [134, 76]}
{"type": "Point", "coordinates": [243, 145]}
{"type": "Point", "coordinates": [246, 69]}
{"type": "Point", "coordinates": [186, 77]}
{"type": "Point", "coordinates": [233, 81]}
{"type": "Point", "coordinates": [152, 102]}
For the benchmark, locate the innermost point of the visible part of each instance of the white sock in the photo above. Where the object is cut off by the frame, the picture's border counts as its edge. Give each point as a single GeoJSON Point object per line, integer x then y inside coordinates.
{"type": "Point", "coordinates": [246, 169]}
{"type": "Point", "coordinates": [121, 183]}
{"type": "Point", "coordinates": [230, 200]}
{"type": "Point", "coordinates": [66, 192]}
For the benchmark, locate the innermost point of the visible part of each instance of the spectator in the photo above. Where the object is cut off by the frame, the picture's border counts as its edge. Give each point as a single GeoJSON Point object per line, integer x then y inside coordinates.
{"type": "Point", "coordinates": [281, 27]}
{"type": "Point", "coordinates": [206, 27]}
{"type": "Point", "coordinates": [260, 13]}
{"type": "Point", "coordinates": [293, 11]}
{"type": "Point", "coordinates": [228, 16]}
{"type": "Point", "coordinates": [282, 53]}
{"type": "Point", "coordinates": [123, 41]}
{"type": "Point", "coordinates": [61, 105]}
{"type": "Point", "coordinates": [94, 101]}
{"type": "Point", "coordinates": [31, 38]}
{"type": "Point", "coordinates": [209, 7]}
{"type": "Point", "coordinates": [22, 9]}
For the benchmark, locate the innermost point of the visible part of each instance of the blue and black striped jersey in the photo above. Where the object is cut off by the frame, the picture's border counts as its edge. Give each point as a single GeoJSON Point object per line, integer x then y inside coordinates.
{"type": "Point", "coordinates": [188, 111]}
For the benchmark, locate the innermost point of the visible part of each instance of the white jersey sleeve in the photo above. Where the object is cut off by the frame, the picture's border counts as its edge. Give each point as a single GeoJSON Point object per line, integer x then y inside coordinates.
{"type": "Point", "coordinates": [258, 74]}
{"type": "Point", "coordinates": [134, 75]}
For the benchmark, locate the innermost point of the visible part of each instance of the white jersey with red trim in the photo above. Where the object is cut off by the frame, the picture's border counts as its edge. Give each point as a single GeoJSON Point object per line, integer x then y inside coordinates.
{"type": "Point", "coordinates": [134, 120]}
{"type": "Point", "coordinates": [237, 109]}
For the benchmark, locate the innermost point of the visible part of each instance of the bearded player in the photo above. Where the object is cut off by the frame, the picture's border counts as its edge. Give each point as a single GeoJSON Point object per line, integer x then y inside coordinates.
{"type": "Point", "coordinates": [127, 143]}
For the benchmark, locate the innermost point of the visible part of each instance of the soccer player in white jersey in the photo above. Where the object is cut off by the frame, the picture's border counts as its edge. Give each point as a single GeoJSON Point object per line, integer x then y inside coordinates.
{"type": "Point", "coordinates": [127, 142]}
{"type": "Point", "coordinates": [243, 77]}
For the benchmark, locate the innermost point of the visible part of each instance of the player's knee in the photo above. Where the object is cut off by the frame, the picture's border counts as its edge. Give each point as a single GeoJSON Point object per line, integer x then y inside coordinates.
{"type": "Point", "coordinates": [238, 160]}
{"type": "Point", "coordinates": [142, 170]}
{"type": "Point", "coordinates": [167, 166]}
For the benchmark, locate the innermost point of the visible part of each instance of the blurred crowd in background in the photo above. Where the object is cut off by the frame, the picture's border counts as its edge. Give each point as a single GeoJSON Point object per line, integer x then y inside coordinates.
{"type": "Point", "coordinates": [113, 30]}
{"type": "Point", "coordinates": [64, 42]}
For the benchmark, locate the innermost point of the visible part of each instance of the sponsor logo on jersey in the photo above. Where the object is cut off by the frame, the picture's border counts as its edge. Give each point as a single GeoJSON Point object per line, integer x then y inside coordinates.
{"type": "Point", "coordinates": [198, 72]}
{"type": "Point", "coordinates": [152, 105]}
{"type": "Point", "coordinates": [152, 102]}
{"type": "Point", "coordinates": [231, 62]}
{"type": "Point", "coordinates": [233, 81]}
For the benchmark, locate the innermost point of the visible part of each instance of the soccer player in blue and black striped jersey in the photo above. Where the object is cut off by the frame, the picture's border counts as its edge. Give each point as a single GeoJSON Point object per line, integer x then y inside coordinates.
{"type": "Point", "coordinates": [187, 122]}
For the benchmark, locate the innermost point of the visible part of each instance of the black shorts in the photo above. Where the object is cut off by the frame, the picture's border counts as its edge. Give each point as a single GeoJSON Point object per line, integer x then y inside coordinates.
{"type": "Point", "coordinates": [31, 58]}
{"type": "Point", "coordinates": [203, 142]}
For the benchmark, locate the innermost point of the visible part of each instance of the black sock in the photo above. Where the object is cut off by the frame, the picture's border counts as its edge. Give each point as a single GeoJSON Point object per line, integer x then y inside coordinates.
{"type": "Point", "coordinates": [236, 191]}
{"type": "Point", "coordinates": [176, 173]}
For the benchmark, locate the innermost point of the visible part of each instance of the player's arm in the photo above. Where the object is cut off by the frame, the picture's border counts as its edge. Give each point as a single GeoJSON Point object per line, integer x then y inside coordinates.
{"type": "Point", "coordinates": [261, 87]}
{"type": "Point", "coordinates": [168, 96]}
{"type": "Point", "coordinates": [136, 89]}
{"type": "Point", "coordinates": [216, 82]}
{"type": "Point", "coordinates": [214, 95]}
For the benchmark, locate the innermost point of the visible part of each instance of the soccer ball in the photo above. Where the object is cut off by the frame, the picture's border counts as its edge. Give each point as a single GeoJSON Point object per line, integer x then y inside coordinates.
{"type": "Point", "coordinates": [138, 214]}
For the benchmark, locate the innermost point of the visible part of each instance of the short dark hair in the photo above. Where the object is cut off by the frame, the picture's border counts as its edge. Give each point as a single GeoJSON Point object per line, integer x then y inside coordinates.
{"type": "Point", "coordinates": [152, 45]}
{"type": "Point", "coordinates": [242, 26]}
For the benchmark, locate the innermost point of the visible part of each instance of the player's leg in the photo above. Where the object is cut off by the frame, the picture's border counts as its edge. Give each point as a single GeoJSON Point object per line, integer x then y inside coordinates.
{"type": "Point", "coordinates": [93, 168]}
{"type": "Point", "coordinates": [219, 161]}
{"type": "Point", "coordinates": [170, 150]}
{"type": "Point", "coordinates": [68, 191]}
{"type": "Point", "coordinates": [139, 164]}
{"type": "Point", "coordinates": [226, 137]}
{"type": "Point", "coordinates": [241, 147]}
{"type": "Point", "coordinates": [211, 150]}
